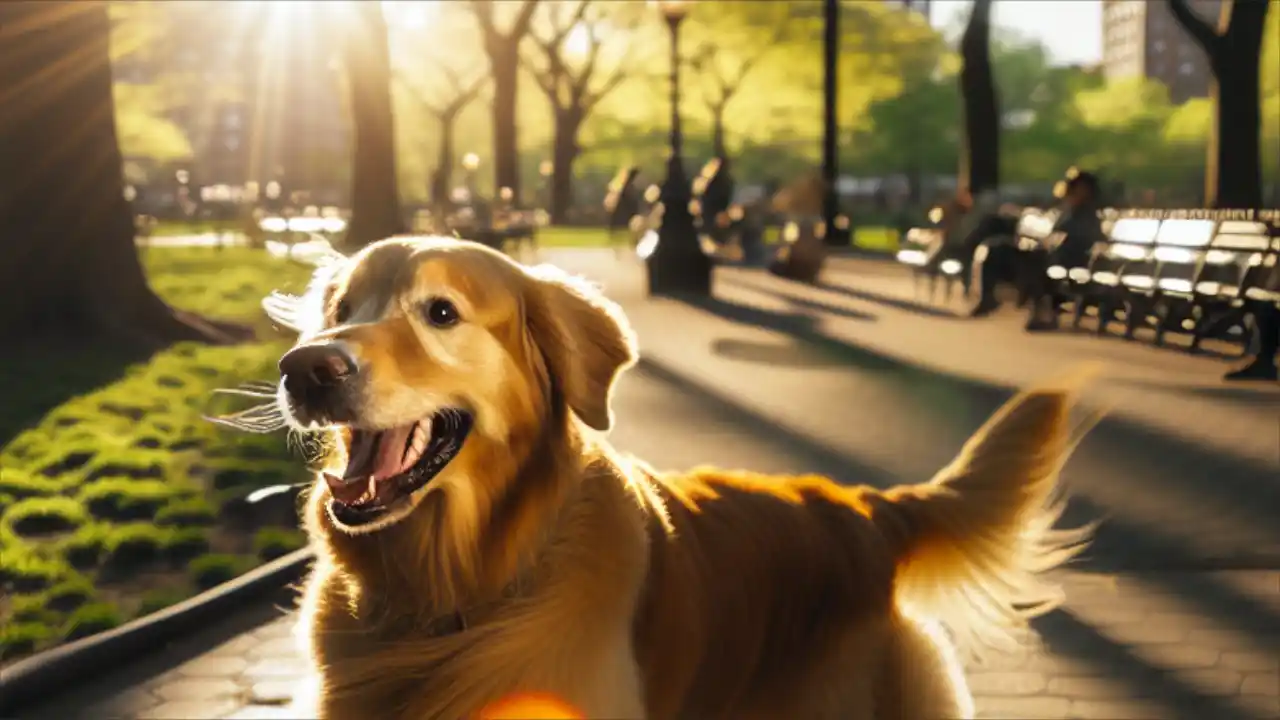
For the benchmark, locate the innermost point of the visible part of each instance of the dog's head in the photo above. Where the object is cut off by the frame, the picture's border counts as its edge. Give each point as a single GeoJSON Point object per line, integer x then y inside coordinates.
{"type": "Point", "coordinates": [437, 367]}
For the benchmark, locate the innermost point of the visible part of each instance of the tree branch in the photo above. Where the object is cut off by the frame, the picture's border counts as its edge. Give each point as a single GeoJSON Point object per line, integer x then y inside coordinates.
{"type": "Point", "coordinates": [520, 27]}
{"type": "Point", "coordinates": [1202, 32]}
{"type": "Point", "coordinates": [545, 77]}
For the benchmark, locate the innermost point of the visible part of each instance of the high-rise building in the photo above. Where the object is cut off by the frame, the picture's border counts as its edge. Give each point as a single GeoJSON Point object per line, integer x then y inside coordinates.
{"type": "Point", "coordinates": [1142, 38]}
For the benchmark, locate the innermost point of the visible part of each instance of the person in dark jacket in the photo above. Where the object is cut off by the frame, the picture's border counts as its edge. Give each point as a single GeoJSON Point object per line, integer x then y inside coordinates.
{"type": "Point", "coordinates": [1081, 229]}
{"type": "Point", "coordinates": [1266, 320]}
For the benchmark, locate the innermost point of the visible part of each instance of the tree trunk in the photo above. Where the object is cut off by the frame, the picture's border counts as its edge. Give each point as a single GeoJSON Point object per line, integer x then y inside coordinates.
{"type": "Point", "coordinates": [70, 265]}
{"type": "Point", "coordinates": [442, 179]}
{"type": "Point", "coordinates": [505, 67]}
{"type": "Point", "coordinates": [375, 195]}
{"type": "Point", "coordinates": [1233, 172]}
{"type": "Point", "coordinates": [718, 148]}
{"type": "Point", "coordinates": [564, 152]}
{"type": "Point", "coordinates": [980, 156]}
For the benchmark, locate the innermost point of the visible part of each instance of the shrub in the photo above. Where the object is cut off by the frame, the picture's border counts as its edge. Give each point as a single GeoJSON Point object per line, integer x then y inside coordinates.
{"type": "Point", "coordinates": [186, 511]}
{"type": "Point", "coordinates": [124, 499]}
{"type": "Point", "coordinates": [85, 547]}
{"type": "Point", "coordinates": [43, 515]}
{"type": "Point", "coordinates": [131, 463]}
{"type": "Point", "coordinates": [21, 638]}
{"type": "Point", "coordinates": [211, 570]}
{"type": "Point", "coordinates": [90, 620]}
{"type": "Point", "coordinates": [32, 609]}
{"type": "Point", "coordinates": [129, 546]}
{"type": "Point", "coordinates": [27, 571]}
{"type": "Point", "coordinates": [69, 594]}
{"type": "Point", "coordinates": [186, 543]}
{"type": "Point", "coordinates": [21, 485]}
{"type": "Point", "coordinates": [157, 600]}
{"type": "Point", "coordinates": [271, 543]}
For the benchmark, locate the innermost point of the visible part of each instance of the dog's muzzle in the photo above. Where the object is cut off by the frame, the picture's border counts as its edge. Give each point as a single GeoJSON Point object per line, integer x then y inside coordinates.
{"type": "Point", "coordinates": [319, 380]}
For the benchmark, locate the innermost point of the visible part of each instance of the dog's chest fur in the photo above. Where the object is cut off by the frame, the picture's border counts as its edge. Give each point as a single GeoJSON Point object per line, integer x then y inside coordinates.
{"type": "Point", "coordinates": [570, 634]}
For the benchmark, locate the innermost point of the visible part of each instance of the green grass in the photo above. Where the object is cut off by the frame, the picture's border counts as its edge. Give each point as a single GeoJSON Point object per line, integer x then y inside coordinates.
{"type": "Point", "coordinates": [271, 543]}
{"type": "Point", "coordinates": [210, 570]}
{"type": "Point", "coordinates": [574, 237]}
{"type": "Point", "coordinates": [111, 479]}
{"type": "Point", "coordinates": [18, 639]}
{"type": "Point", "coordinates": [190, 227]}
{"type": "Point", "coordinates": [874, 238]}
{"type": "Point", "coordinates": [159, 599]}
{"type": "Point", "coordinates": [44, 515]}
{"type": "Point", "coordinates": [91, 619]}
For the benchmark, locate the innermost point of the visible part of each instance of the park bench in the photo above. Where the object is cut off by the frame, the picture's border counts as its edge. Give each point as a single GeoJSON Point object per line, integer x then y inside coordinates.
{"type": "Point", "coordinates": [1152, 286]}
{"type": "Point", "coordinates": [505, 231]}
{"type": "Point", "coordinates": [926, 252]}
{"type": "Point", "coordinates": [1033, 234]}
{"type": "Point", "coordinates": [1129, 244]}
{"type": "Point", "coordinates": [286, 235]}
{"type": "Point", "coordinates": [1238, 265]}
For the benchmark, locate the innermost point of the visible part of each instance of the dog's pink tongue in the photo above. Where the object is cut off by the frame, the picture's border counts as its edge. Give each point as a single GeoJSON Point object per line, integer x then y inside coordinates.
{"type": "Point", "coordinates": [390, 453]}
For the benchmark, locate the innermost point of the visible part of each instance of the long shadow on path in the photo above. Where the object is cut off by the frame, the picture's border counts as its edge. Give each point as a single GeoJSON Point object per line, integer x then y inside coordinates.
{"type": "Point", "coordinates": [1122, 543]}
{"type": "Point", "coordinates": [1064, 633]}
{"type": "Point", "coordinates": [1245, 488]}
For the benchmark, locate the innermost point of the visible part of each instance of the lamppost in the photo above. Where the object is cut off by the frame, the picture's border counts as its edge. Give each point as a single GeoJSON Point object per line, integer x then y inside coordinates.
{"type": "Point", "coordinates": [678, 263]}
{"type": "Point", "coordinates": [835, 234]}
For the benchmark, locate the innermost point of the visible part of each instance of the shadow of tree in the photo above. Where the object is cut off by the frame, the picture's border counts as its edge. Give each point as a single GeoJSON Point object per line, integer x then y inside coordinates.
{"type": "Point", "coordinates": [1064, 633]}
{"type": "Point", "coordinates": [796, 300]}
{"type": "Point", "coordinates": [919, 308]}
{"type": "Point", "coordinates": [38, 375]}
{"type": "Point", "coordinates": [789, 355]}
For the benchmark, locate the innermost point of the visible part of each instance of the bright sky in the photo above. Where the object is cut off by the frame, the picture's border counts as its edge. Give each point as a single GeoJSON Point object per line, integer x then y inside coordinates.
{"type": "Point", "coordinates": [1071, 29]}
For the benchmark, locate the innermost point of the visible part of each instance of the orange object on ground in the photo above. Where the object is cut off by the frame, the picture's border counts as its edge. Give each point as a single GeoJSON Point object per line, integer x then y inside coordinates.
{"type": "Point", "coordinates": [530, 706]}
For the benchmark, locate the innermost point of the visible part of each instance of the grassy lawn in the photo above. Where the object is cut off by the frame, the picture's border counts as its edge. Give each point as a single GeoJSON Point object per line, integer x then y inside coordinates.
{"type": "Point", "coordinates": [118, 499]}
{"type": "Point", "coordinates": [167, 228]}
{"type": "Point", "coordinates": [882, 239]}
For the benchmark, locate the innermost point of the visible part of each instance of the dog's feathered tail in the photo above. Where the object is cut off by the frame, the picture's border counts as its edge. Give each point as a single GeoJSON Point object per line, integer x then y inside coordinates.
{"type": "Point", "coordinates": [972, 544]}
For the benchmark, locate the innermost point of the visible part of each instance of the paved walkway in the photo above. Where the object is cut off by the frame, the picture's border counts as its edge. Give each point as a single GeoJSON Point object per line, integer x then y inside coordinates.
{"type": "Point", "coordinates": [1174, 614]}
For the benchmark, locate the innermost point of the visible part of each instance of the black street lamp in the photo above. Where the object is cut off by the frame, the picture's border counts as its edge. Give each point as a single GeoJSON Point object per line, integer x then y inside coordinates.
{"type": "Point", "coordinates": [835, 234]}
{"type": "Point", "coordinates": [678, 263]}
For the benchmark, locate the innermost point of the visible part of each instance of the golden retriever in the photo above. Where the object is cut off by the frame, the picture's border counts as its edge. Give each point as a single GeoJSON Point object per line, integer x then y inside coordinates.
{"type": "Point", "coordinates": [478, 538]}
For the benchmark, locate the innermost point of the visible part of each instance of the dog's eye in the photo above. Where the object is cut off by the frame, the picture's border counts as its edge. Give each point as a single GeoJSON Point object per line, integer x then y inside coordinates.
{"type": "Point", "coordinates": [441, 313]}
{"type": "Point", "coordinates": [342, 312]}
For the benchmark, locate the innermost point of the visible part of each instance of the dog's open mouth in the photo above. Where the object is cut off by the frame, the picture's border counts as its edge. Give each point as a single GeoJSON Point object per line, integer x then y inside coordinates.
{"type": "Point", "coordinates": [385, 467]}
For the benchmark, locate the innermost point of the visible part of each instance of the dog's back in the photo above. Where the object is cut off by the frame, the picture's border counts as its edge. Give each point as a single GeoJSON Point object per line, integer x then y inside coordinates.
{"type": "Point", "coordinates": [795, 597]}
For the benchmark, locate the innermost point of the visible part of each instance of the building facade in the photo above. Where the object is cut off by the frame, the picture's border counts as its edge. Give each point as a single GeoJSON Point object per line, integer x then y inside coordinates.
{"type": "Point", "coordinates": [1142, 38]}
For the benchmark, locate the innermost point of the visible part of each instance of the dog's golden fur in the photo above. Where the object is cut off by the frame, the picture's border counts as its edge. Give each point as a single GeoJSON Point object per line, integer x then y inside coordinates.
{"type": "Point", "coordinates": [583, 573]}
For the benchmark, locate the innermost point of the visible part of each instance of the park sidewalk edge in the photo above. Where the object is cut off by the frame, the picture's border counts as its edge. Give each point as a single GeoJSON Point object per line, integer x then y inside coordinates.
{"type": "Point", "coordinates": [41, 676]}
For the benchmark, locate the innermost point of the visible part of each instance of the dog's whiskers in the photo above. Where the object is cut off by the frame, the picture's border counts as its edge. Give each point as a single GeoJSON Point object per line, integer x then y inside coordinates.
{"type": "Point", "coordinates": [259, 419]}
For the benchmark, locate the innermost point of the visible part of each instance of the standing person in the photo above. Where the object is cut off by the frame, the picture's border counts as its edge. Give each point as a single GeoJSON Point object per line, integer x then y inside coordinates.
{"type": "Point", "coordinates": [623, 201]}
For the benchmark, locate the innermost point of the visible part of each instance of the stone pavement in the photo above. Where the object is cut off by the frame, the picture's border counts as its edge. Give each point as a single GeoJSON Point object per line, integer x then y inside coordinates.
{"type": "Point", "coordinates": [1174, 614]}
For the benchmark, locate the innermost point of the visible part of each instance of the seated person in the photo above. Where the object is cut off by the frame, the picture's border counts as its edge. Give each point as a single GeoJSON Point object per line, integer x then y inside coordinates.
{"type": "Point", "coordinates": [994, 231]}
{"type": "Point", "coordinates": [1080, 228]}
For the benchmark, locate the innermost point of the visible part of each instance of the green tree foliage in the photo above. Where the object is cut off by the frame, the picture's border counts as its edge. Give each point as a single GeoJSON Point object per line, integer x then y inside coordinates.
{"type": "Point", "coordinates": [145, 133]}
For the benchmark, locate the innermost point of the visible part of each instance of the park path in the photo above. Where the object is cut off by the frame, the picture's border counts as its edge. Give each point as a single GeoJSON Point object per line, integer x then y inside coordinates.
{"type": "Point", "coordinates": [1175, 613]}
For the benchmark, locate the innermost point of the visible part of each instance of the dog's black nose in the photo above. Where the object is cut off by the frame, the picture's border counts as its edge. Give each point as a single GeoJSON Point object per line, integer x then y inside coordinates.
{"type": "Point", "coordinates": [312, 369]}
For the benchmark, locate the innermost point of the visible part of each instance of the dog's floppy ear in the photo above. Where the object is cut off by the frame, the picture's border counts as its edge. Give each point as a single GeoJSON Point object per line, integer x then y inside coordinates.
{"type": "Point", "coordinates": [584, 339]}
